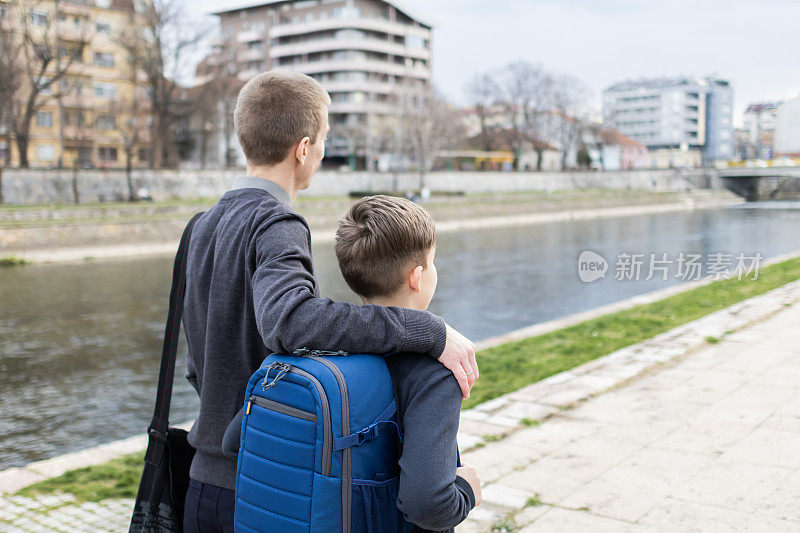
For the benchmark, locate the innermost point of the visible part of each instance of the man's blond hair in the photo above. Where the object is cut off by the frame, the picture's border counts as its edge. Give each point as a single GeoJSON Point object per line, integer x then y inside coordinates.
{"type": "Point", "coordinates": [274, 111]}
{"type": "Point", "coordinates": [378, 239]}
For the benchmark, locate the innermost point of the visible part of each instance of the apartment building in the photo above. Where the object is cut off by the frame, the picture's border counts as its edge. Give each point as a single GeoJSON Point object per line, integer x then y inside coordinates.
{"type": "Point", "coordinates": [364, 52]}
{"type": "Point", "coordinates": [759, 126]}
{"type": "Point", "coordinates": [674, 115]}
{"type": "Point", "coordinates": [87, 115]}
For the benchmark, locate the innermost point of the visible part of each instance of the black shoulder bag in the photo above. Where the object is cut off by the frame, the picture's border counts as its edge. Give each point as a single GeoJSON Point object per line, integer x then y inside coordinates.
{"type": "Point", "coordinates": [165, 479]}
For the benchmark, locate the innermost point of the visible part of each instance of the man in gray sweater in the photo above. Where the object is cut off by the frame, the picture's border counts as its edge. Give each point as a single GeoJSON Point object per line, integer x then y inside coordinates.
{"type": "Point", "coordinates": [251, 290]}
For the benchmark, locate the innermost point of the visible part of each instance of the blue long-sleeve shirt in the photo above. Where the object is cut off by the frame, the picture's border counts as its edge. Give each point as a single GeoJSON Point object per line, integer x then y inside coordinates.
{"type": "Point", "coordinates": [251, 291]}
{"type": "Point", "coordinates": [430, 494]}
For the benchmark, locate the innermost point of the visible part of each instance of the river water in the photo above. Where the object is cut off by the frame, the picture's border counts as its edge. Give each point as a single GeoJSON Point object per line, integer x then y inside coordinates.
{"type": "Point", "coordinates": [80, 343]}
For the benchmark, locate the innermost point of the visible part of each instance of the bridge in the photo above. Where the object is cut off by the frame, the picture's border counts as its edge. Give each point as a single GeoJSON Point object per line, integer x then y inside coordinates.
{"type": "Point", "coordinates": [766, 183]}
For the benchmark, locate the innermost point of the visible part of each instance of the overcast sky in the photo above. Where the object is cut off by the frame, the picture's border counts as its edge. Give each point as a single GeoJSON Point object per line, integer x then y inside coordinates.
{"type": "Point", "coordinates": [754, 44]}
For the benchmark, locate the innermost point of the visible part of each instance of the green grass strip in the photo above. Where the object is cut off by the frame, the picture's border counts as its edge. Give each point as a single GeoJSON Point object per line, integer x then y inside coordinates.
{"type": "Point", "coordinates": [513, 365]}
{"type": "Point", "coordinates": [503, 369]}
{"type": "Point", "coordinates": [118, 478]}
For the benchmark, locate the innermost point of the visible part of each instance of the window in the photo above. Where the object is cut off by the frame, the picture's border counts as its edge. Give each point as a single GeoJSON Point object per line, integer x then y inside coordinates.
{"type": "Point", "coordinates": [45, 88]}
{"type": "Point", "coordinates": [103, 27]}
{"type": "Point", "coordinates": [144, 155]}
{"type": "Point", "coordinates": [255, 45]}
{"type": "Point", "coordinates": [39, 19]}
{"type": "Point", "coordinates": [103, 59]}
{"type": "Point", "coordinates": [44, 119]}
{"type": "Point", "coordinates": [103, 3]}
{"type": "Point", "coordinates": [74, 118]}
{"type": "Point", "coordinates": [106, 122]}
{"type": "Point", "coordinates": [46, 152]}
{"type": "Point", "coordinates": [66, 53]}
{"type": "Point", "coordinates": [107, 154]}
{"type": "Point", "coordinates": [416, 42]}
{"type": "Point", "coordinates": [105, 90]}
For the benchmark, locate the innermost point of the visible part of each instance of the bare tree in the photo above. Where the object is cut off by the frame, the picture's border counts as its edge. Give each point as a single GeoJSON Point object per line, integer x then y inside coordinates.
{"type": "Point", "coordinates": [430, 125]}
{"type": "Point", "coordinates": [43, 63]}
{"type": "Point", "coordinates": [525, 95]}
{"type": "Point", "coordinates": [570, 98]}
{"type": "Point", "coordinates": [483, 91]}
{"type": "Point", "coordinates": [158, 46]}
{"type": "Point", "coordinates": [215, 98]}
{"type": "Point", "coordinates": [10, 77]}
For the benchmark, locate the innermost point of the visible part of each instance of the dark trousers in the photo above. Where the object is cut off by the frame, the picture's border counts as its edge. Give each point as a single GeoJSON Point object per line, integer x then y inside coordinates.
{"type": "Point", "coordinates": [208, 509]}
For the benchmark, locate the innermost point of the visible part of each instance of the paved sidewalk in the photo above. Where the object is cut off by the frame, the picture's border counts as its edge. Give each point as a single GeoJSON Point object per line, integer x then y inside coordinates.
{"type": "Point", "coordinates": [710, 442]}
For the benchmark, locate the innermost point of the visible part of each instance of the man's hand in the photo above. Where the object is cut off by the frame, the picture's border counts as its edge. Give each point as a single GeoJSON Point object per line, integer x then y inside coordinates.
{"type": "Point", "coordinates": [470, 475]}
{"type": "Point", "coordinates": [459, 357]}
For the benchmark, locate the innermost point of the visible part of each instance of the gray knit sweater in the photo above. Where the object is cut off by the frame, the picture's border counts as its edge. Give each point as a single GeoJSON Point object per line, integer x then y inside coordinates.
{"type": "Point", "coordinates": [251, 291]}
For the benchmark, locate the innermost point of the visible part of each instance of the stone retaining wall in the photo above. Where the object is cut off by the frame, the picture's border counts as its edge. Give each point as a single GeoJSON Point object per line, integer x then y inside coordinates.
{"type": "Point", "coordinates": [58, 186]}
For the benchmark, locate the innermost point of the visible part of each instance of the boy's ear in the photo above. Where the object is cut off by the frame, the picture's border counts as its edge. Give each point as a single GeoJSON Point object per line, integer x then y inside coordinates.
{"type": "Point", "coordinates": [415, 279]}
{"type": "Point", "coordinates": [302, 150]}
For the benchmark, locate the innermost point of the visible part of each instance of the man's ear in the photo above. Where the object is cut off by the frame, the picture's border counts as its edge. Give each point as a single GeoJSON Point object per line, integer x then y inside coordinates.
{"type": "Point", "coordinates": [302, 150]}
{"type": "Point", "coordinates": [415, 279]}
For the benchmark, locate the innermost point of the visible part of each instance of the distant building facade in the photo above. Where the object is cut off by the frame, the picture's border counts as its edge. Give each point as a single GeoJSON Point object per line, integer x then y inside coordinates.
{"type": "Point", "coordinates": [86, 116]}
{"type": "Point", "coordinates": [611, 150]}
{"type": "Point", "coordinates": [362, 51]}
{"type": "Point", "coordinates": [674, 115]}
{"type": "Point", "coordinates": [787, 129]}
{"type": "Point", "coordinates": [759, 126]}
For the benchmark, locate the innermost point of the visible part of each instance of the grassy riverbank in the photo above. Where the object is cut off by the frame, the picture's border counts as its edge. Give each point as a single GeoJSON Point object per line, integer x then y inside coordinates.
{"type": "Point", "coordinates": [504, 368]}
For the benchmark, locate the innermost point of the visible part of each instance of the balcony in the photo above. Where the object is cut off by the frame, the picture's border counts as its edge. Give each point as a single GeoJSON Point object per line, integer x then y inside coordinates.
{"type": "Point", "coordinates": [78, 133]}
{"type": "Point", "coordinates": [249, 36]}
{"type": "Point", "coordinates": [68, 32]}
{"type": "Point", "coordinates": [384, 26]}
{"type": "Point", "coordinates": [381, 67]}
{"type": "Point", "coordinates": [250, 55]}
{"type": "Point", "coordinates": [363, 107]}
{"type": "Point", "coordinates": [74, 8]}
{"type": "Point", "coordinates": [82, 101]}
{"type": "Point", "coordinates": [245, 75]}
{"type": "Point", "coordinates": [366, 86]}
{"type": "Point", "coordinates": [370, 45]}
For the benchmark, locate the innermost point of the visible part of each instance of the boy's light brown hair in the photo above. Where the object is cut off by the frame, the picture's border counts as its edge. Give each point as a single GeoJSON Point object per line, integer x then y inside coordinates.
{"type": "Point", "coordinates": [378, 240]}
{"type": "Point", "coordinates": [275, 110]}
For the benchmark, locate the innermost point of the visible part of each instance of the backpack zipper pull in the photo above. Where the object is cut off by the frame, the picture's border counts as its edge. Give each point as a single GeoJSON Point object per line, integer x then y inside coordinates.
{"type": "Point", "coordinates": [305, 352]}
{"type": "Point", "coordinates": [249, 403]}
{"type": "Point", "coordinates": [282, 368]}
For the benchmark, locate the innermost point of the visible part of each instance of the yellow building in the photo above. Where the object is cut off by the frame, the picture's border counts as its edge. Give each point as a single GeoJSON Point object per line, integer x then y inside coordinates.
{"type": "Point", "coordinates": [87, 116]}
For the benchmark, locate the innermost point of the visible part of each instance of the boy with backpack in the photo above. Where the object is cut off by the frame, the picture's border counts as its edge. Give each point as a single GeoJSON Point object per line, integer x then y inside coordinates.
{"type": "Point", "coordinates": [386, 248]}
{"type": "Point", "coordinates": [251, 289]}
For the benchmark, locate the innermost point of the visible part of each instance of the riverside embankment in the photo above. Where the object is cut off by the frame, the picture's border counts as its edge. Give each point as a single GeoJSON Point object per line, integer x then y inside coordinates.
{"type": "Point", "coordinates": [46, 233]}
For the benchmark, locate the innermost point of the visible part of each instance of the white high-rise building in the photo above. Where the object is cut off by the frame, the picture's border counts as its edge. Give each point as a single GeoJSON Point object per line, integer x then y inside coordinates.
{"type": "Point", "coordinates": [674, 113]}
{"type": "Point", "coordinates": [362, 51]}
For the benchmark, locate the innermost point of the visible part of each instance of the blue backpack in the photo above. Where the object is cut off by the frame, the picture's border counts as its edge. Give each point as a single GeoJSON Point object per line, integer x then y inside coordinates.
{"type": "Point", "coordinates": [319, 446]}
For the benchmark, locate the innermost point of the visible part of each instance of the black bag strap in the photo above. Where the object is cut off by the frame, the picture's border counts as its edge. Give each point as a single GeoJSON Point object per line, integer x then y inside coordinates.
{"type": "Point", "coordinates": [157, 431]}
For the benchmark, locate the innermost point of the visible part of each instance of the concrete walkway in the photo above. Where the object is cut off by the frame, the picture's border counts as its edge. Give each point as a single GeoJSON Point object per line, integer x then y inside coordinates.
{"type": "Point", "coordinates": [710, 442]}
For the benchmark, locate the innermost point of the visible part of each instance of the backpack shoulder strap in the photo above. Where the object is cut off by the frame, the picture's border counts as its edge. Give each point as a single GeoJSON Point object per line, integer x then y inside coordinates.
{"type": "Point", "coordinates": [160, 423]}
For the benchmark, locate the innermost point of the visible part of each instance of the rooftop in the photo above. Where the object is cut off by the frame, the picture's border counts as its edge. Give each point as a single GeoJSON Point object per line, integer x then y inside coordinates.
{"type": "Point", "coordinates": [658, 83]}
{"type": "Point", "coordinates": [251, 5]}
{"type": "Point", "coordinates": [764, 106]}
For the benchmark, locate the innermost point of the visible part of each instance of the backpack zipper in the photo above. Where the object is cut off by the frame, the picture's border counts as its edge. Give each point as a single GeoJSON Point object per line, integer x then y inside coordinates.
{"type": "Point", "coordinates": [347, 472]}
{"type": "Point", "coordinates": [281, 408]}
{"type": "Point", "coordinates": [305, 352]}
{"type": "Point", "coordinates": [327, 431]}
